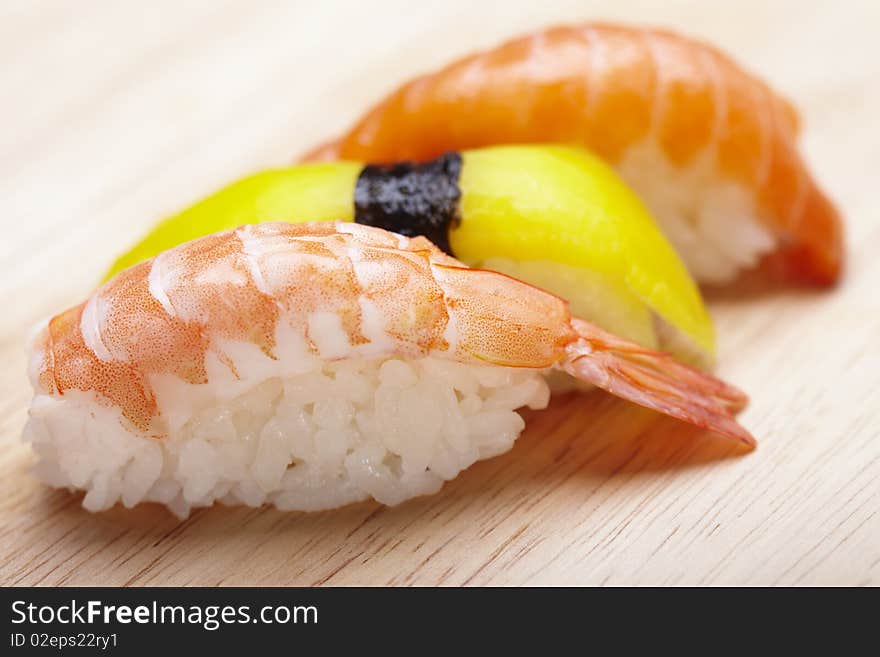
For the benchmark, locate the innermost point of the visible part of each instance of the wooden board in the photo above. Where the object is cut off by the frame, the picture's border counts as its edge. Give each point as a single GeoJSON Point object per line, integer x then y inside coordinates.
{"type": "Point", "coordinates": [117, 113]}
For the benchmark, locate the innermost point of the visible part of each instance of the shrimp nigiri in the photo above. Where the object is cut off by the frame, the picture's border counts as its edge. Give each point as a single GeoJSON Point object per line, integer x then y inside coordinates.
{"type": "Point", "coordinates": [710, 148]}
{"type": "Point", "coordinates": [314, 365]}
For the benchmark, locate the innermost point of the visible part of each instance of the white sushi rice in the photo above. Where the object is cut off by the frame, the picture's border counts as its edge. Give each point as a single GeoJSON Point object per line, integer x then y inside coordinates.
{"type": "Point", "coordinates": [330, 434]}
{"type": "Point", "coordinates": [716, 227]}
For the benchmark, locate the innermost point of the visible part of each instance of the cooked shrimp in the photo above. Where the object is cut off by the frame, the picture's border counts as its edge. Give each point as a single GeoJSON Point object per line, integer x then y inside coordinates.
{"type": "Point", "coordinates": [348, 291]}
{"type": "Point", "coordinates": [710, 148]}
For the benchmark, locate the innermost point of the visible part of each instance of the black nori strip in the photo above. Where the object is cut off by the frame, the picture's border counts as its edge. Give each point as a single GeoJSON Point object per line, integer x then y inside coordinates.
{"type": "Point", "coordinates": [411, 198]}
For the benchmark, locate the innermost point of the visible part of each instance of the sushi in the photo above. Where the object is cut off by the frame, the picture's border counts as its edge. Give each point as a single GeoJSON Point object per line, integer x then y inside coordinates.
{"type": "Point", "coordinates": [556, 217]}
{"type": "Point", "coordinates": [710, 148]}
{"type": "Point", "coordinates": [313, 365]}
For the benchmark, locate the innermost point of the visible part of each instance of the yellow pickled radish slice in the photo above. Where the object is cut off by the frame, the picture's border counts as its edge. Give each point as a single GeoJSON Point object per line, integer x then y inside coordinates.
{"type": "Point", "coordinates": [555, 217]}
{"type": "Point", "coordinates": [561, 219]}
{"type": "Point", "coordinates": [310, 192]}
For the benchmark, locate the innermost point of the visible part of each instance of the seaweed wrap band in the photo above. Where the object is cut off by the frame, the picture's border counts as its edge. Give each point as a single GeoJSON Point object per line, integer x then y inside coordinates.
{"type": "Point", "coordinates": [411, 198]}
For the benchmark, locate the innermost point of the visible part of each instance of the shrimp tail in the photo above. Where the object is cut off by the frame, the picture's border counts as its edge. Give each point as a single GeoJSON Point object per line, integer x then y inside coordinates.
{"type": "Point", "coordinates": [656, 381]}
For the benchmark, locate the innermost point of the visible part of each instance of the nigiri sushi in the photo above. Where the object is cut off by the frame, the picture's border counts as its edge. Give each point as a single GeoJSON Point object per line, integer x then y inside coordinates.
{"type": "Point", "coordinates": [556, 217]}
{"type": "Point", "coordinates": [314, 365]}
{"type": "Point", "coordinates": [710, 148]}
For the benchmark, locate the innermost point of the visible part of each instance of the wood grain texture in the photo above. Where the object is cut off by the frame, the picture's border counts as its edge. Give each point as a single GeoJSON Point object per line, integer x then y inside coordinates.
{"type": "Point", "coordinates": [117, 113]}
